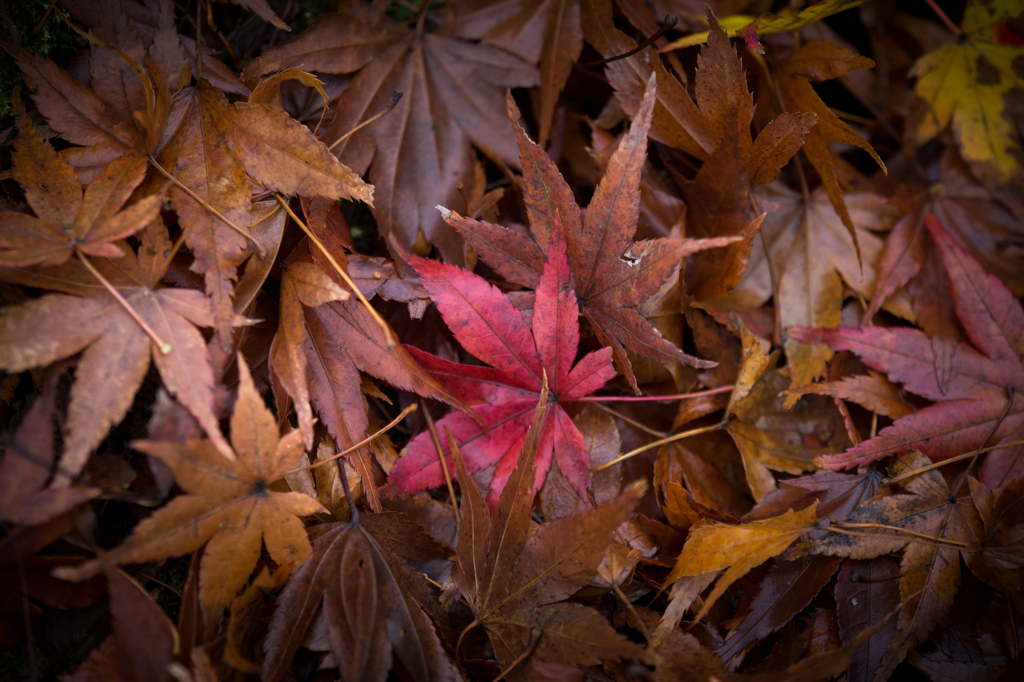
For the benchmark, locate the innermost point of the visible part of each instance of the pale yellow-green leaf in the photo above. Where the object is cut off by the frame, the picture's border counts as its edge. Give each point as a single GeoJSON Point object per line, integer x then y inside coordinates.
{"type": "Point", "coordinates": [767, 24]}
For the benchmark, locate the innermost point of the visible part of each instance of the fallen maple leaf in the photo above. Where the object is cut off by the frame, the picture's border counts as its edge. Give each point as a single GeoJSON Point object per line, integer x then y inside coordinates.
{"type": "Point", "coordinates": [324, 339]}
{"type": "Point", "coordinates": [26, 468]}
{"type": "Point", "coordinates": [370, 596]}
{"type": "Point", "coordinates": [718, 201]}
{"type": "Point", "coordinates": [504, 395]}
{"type": "Point", "coordinates": [1000, 559]}
{"type": "Point", "coordinates": [983, 400]}
{"type": "Point", "coordinates": [813, 255]}
{"type": "Point", "coordinates": [971, 85]}
{"type": "Point", "coordinates": [557, 23]}
{"type": "Point", "coordinates": [934, 526]}
{"type": "Point", "coordinates": [199, 158]}
{"type": "Point", "coordinates": [66, 221]}
{"type": "Point", "coordinates": [116, 349]}
{"type": "Point", "coordinates": [871, 391]}
{"type": "Point", "coordinates": [737, 548]}
{"type": "Point", "coordinates": [516, 582]}
{"type": "Point", "coordinates": [612, 273]}
{"type": "Point", "coordinates": [787, 588]}
{"type": "Point", "coordinates": [821, 60]}
{"type": "Point", "coordinates": [228, 505]}
{"type": "Point", "coordinates": [974, 217]}
{"type": "Point", "coordinates": [418, 153]}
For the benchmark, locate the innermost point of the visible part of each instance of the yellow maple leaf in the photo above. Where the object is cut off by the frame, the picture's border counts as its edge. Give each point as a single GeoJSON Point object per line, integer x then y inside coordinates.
{"type": "Point", "coordinates": [972, 83]}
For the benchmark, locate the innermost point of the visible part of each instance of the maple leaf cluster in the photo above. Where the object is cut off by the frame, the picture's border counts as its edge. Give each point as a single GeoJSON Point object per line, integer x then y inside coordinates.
{"type": "Point", "coordinates": [513, 339]}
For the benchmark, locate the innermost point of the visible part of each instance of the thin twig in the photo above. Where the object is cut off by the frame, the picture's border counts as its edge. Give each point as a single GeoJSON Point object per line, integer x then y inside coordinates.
{"type": "Point", "coordinates": [165, 348]}
{"type": "Point", "coordinates": [390, 425]}
{"type": "Point", "coordinates": [389, 340]}
{"type": "Point", "coordinates": [657, 443]}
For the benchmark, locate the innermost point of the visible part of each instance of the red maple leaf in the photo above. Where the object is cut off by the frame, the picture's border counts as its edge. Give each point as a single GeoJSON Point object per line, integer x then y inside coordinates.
{"type": "Point", "coordinates": [505, 394]}
{"type": "Point", "coordinates": [984, 399]}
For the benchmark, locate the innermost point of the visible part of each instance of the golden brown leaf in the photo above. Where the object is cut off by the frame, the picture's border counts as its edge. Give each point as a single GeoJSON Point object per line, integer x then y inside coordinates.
{"type": "Point", "coordinates": [737, 548]}
{"type": "Point", "coordinates": [228, 507]}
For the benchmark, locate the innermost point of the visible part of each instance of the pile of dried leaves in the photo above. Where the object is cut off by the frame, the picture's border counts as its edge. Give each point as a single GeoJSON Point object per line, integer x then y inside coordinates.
{"type": "Point", "coordinates": [340, 365]}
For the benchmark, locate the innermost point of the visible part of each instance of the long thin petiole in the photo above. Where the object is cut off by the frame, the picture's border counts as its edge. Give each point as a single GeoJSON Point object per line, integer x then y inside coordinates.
{"type": "Point", "coordinates": [395, 97]}
{"type": "Point", "coordinates": [220, 216]}
{"type": "Point", "coordinates": [401, 415]}
{"type": "Point", "coordinates": [842, 528]}
{"type": "Point", "coordinates": [164, 347]}
{"type": "Point", "coordinates": [658, 443]}
{"type": "Point", "coordinates": [388, 338]}
{"type": "Point", "coordinates": [967, 455]}
{"type": "Point", "coordinates": [652, 398]}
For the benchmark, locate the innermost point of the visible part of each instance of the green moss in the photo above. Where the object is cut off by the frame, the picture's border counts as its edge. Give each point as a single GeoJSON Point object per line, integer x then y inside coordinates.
{"type": "Point", "coordinates": [404, 13]}
{"type": "Point", "coordinates": [54, 40]}
{"type": "Point", "coordinates": [307, 12]}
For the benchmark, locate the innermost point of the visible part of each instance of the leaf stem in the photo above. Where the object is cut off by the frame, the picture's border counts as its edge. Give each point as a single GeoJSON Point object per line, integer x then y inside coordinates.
{"type": "Point", "coordinates": [664, 441]}
{"type": "Point", "coordinates": [395, 97]}
{"type": "Point", "coordinates": [943, 17]}
{"type": "Point", "coordinates": [666, 25]}
{"type": "Point", "coordinates": [220, 216]}
{"type": "Point", "coordinates": [535, 634]}
{"type": "Point", "coordinates": [440, 454]}
{"type": "Point", "coordinates": [629, 420]}
{"type": "Point", "coordinates": [462, 634]}
{"type": "Point", "coordinates": [942, 541]}
{"type": "Point", "coordinates": [967, 455]}
{"type": "Point", "coordinates": [652, 398]}
{"type": "Point", "coordinates": [389, 340]}
{"type": "Point", "coordinates": [164, 347]}
{"type": "Point", "coordinates": [1010, 395]}
{"type": "Point", "coordinates": [388, 427]}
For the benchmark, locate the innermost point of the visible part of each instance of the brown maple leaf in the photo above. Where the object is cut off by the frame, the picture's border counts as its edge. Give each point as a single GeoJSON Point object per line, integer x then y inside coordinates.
{"type": "Point", "coordinates": [933, 527]}
{"type": "Point", "coordinates": [324, 339]}
{"type": "Point", "coordinates": [813, 255]}
{"type": "Point", "coordinates": [516, 582]}
{"type": "Point", "coordinates": [612, 273]}
{"type": "Point", "coordinates": [371, 598]}
{"type": "Point", "coordinates": [116, 349]}
{"type": "Point", "coordinates": [1001, 557]}
{"type": "Point", "coordinates": [821, 60]}
{"type": "Point", "coordinates": [229, 507]}
{"type": "Point", "coordinates": [67, 221]}
{"type": "Point", "coordinates": [418, 153]}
